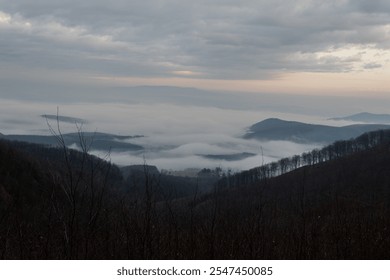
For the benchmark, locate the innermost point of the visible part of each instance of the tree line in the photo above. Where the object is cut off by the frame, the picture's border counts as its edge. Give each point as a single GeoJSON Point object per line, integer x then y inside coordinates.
{"type": "Point", "coordinates": [70, 206]}
{"type": "Point", "coordinates": [330, 152]}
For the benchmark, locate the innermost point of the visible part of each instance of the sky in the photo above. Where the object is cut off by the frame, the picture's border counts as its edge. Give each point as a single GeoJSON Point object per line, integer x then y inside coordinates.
{"type": "Point", "coordinates": [192, 75]}
{"type": "Point", "coordinates": [302, 46]}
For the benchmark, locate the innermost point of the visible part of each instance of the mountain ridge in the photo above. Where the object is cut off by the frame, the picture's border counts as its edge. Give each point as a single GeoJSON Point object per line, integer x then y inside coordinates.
{"type": "Point", "coordinates": [299, 132]}
{"type": "Point", "coordinates": [101, 141]}
{"type": "Point", "coordinates": [365, 117]}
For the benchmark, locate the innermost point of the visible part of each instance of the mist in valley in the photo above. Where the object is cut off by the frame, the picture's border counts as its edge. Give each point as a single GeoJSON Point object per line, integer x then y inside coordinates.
{"type": "Point", "coordinates": [176, 135]}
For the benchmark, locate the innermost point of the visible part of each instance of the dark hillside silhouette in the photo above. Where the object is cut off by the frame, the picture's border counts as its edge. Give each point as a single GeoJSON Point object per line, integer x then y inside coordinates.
{"type": "Point", "coordinates": [331, 203]}
{"type": "Point", "coordinates": [101, 141]}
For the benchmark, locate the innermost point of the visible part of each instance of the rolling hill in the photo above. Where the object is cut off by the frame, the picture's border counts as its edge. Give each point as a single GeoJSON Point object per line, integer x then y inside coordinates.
{"type": "Point", "coordinates": [337, 209]}
{"type": "Point", "coordinates": [65, 119]}
{"type": "Point", "coordinates": [277, 129]}
{"type": "Point", "coordinates": [366, 118]}
{"type": "Point", "coordinates": [63, 204]}
{"type": "Point", "coordinates": [99, 141]}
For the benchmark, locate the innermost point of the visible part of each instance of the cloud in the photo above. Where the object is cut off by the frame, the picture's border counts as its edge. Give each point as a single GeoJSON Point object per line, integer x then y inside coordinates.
{"type": "Point", "coordinates": [372, 65]}
{"type": "Point", "coordinates": [185, 156]}
{"type": "Point", "coordinates": [207, 39]}
{"type": "Point", "coordinates": [174, 138]}
{"type": "Point", "coordinates": [175, 135]}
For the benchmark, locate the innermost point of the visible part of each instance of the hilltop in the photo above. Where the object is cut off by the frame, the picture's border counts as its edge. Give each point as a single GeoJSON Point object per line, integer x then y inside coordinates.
{"type": "Point", "coordinates": [277, 129]}
{"type": "Point", "coordinates": [98, 141]}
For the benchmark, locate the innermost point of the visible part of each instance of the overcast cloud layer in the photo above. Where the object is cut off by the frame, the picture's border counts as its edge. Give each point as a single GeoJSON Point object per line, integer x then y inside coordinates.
{"type": "Point", "coordinates": [213, 39]}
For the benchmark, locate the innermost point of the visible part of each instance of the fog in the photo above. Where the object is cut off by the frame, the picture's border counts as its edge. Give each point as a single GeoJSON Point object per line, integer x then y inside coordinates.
{"type": "Point", "coordinates": [180, 125]}
{"type": "Point", "coordinates": [175, 136]}
{"type": "Point", "coordinates": [188, 155]}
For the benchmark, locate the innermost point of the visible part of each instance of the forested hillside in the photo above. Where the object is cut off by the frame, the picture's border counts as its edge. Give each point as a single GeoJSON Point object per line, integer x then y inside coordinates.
{"type": "Point", "coordinates": [332, 203]}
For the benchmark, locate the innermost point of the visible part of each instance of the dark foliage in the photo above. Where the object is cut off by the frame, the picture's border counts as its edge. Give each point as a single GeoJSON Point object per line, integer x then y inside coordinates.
{"type": "Point", "coordinates": [332, 203]}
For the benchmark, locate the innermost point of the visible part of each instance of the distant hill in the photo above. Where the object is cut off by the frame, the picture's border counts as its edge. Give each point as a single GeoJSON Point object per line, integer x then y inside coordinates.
{"type": "Point", "coordinates": [64, 119]}
{"type": "Point", "coordinates": [229, 157]}
{"type": "Point", "coordinates": [366, 118]}
{"type": "Point", "coordinates": [130, 170]}
{"type": "Point", "coordinates": [165, 186]}
{"type": "Point", "coordinates": [100, 141]}
{"type": "Point", "coordinates": [277, 129]}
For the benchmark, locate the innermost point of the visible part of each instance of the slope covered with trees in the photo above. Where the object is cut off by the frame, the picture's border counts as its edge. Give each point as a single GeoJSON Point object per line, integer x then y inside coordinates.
{"type": "Point", "coordinates": [336, 150]}
{"type": "Point", "coordinates": [331, 203]}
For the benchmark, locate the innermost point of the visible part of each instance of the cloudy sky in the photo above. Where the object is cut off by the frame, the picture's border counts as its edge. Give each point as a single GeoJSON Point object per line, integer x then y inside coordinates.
{"type": "Point", "coordinates": [192, 75]}
{"type": "Point", "coordinates": [301, 46]}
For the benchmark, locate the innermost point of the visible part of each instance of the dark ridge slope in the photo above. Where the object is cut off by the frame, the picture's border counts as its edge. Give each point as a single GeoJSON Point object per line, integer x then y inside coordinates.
{"type": "Point", "coordinates": [339, 209]}
{"type": "Point", "coordinates": [335, 209]}
{"type": "Point", "coordinates": [99, 141]}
